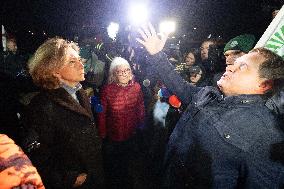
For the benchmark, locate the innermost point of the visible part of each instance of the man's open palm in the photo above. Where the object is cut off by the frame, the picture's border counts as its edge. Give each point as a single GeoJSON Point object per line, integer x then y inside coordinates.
{"type": "Point", "coordinates": [151, 41]}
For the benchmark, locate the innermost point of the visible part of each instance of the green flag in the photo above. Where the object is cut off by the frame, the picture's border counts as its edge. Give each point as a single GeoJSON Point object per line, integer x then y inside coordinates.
{"type": "Point", "coordinates": [273, 37]}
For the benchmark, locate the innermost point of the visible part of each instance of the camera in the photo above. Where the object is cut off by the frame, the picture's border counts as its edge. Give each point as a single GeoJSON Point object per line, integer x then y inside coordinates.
{"type": "Point", "coordinates": [216, 58]}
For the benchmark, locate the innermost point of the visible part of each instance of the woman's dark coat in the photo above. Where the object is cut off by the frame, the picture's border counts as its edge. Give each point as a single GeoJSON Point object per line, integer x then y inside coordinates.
{"type": "Point", "coordinates": [69, 144]}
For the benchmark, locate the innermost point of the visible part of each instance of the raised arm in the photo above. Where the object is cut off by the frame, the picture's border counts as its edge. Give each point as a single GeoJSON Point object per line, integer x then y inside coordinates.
{"type": "Point", "coordinates": [159, 63]}
{"type": "Point", "coordinates": [151, 41]}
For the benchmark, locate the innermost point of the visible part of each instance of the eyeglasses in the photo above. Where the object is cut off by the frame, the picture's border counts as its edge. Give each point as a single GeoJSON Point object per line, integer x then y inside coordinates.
{"type": "Point", "coordinates": [122, 72]}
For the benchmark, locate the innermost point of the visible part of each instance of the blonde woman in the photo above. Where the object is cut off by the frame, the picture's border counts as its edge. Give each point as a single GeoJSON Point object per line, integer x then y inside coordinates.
{"type": "Point", "coordinates": [69, 155]}
{"type": "Point", "coordinates": [123, 113]}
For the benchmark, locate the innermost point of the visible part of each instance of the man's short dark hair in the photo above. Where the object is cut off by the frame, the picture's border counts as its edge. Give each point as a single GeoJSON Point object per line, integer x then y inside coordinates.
{"type": "Point", "coordinates": [273, 66]}
{"type": "Point", "coordinates": [271, 69]}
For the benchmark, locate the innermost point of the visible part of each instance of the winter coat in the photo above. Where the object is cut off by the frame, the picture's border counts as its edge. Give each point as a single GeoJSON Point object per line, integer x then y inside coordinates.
{"type": "Point", "coordinates": [123, 111]}
{"type": "Point", "coordinates": [69, 144]}
{"type": "Point", "coordinates": [219, 142]}
{"type": "Point", "coordinates": [15, 167]}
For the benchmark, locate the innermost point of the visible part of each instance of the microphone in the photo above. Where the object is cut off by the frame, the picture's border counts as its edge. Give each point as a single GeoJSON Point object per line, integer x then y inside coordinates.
{"type": "Point", "coordinates": [146, 82]}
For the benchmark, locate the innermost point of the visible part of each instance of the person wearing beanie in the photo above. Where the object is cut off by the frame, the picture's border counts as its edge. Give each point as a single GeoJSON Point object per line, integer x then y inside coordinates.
{"type": "Point", "coordinates": [237, 47]}
{"type": "Point", "coordinates": [121, 118]}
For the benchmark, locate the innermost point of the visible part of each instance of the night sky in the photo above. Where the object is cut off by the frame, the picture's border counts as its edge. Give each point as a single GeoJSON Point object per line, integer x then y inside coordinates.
{"type": "Point", "coordinates": [67, 18]}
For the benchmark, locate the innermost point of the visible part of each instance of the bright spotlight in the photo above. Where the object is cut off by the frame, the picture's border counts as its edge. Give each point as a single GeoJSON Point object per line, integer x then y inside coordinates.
{"type": "Point", "coordinates": [138, 14]}
{"type": "Point", "coordinates": [112, 30]}
{"type": "Point", "coordinates": [167, 27]}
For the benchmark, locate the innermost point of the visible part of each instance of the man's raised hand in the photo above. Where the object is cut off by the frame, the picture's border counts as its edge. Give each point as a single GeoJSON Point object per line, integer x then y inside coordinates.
{"type": "Point", "coordinates": [151, 41]}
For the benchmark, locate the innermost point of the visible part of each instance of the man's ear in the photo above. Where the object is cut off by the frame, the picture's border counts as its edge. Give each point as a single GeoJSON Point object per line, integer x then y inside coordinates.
{"type": "Point", "coordinates": [266, 85]}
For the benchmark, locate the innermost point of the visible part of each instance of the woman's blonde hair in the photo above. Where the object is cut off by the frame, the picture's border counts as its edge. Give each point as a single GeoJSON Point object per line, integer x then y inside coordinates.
{"type": "Point", "coordinates": [117, 61]}
{"type": "Point", "coordinates": [51, 55]}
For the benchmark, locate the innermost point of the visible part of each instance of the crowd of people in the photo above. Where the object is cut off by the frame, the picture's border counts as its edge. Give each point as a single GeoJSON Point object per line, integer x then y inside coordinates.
{"type": "Point", "coordinates": [140, 117]}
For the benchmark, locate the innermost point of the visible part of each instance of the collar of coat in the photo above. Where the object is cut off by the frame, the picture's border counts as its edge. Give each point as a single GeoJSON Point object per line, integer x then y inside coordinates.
{"type": "Point", "coordinates": [61, 97]}
{"type": "Point", "coordinates": [209, 93]}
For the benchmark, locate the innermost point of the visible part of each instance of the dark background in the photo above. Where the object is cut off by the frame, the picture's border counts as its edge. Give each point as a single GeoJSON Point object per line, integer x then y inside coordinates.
{"type": "Point", "coordinates": [69, 18]}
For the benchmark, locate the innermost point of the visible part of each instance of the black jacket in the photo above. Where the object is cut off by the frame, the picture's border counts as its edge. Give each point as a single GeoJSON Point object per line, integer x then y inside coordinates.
{"type": "Point", "coordinates": [219, 142]}
{"type": "Point", "coordinates": [69, 144]}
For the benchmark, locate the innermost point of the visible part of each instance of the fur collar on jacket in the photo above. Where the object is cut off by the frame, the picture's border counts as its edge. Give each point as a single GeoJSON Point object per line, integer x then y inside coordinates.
{"type": "Point", "coordinates": [61, 97]}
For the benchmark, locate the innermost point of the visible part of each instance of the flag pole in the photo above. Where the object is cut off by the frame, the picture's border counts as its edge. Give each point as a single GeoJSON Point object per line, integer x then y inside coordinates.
{"type": "Point", "coordinates": [4, 40]}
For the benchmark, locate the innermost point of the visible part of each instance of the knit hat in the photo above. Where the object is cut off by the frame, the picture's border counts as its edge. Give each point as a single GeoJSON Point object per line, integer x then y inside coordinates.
{"type": "Point", "coordinates": [174, 101]}
{"type": "Point", "coordinates": [243, 43]}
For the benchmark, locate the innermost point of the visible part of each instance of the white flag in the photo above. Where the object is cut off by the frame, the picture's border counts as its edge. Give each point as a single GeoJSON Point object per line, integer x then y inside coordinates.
{"type": "Point", "coordinates": [273, 37]}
